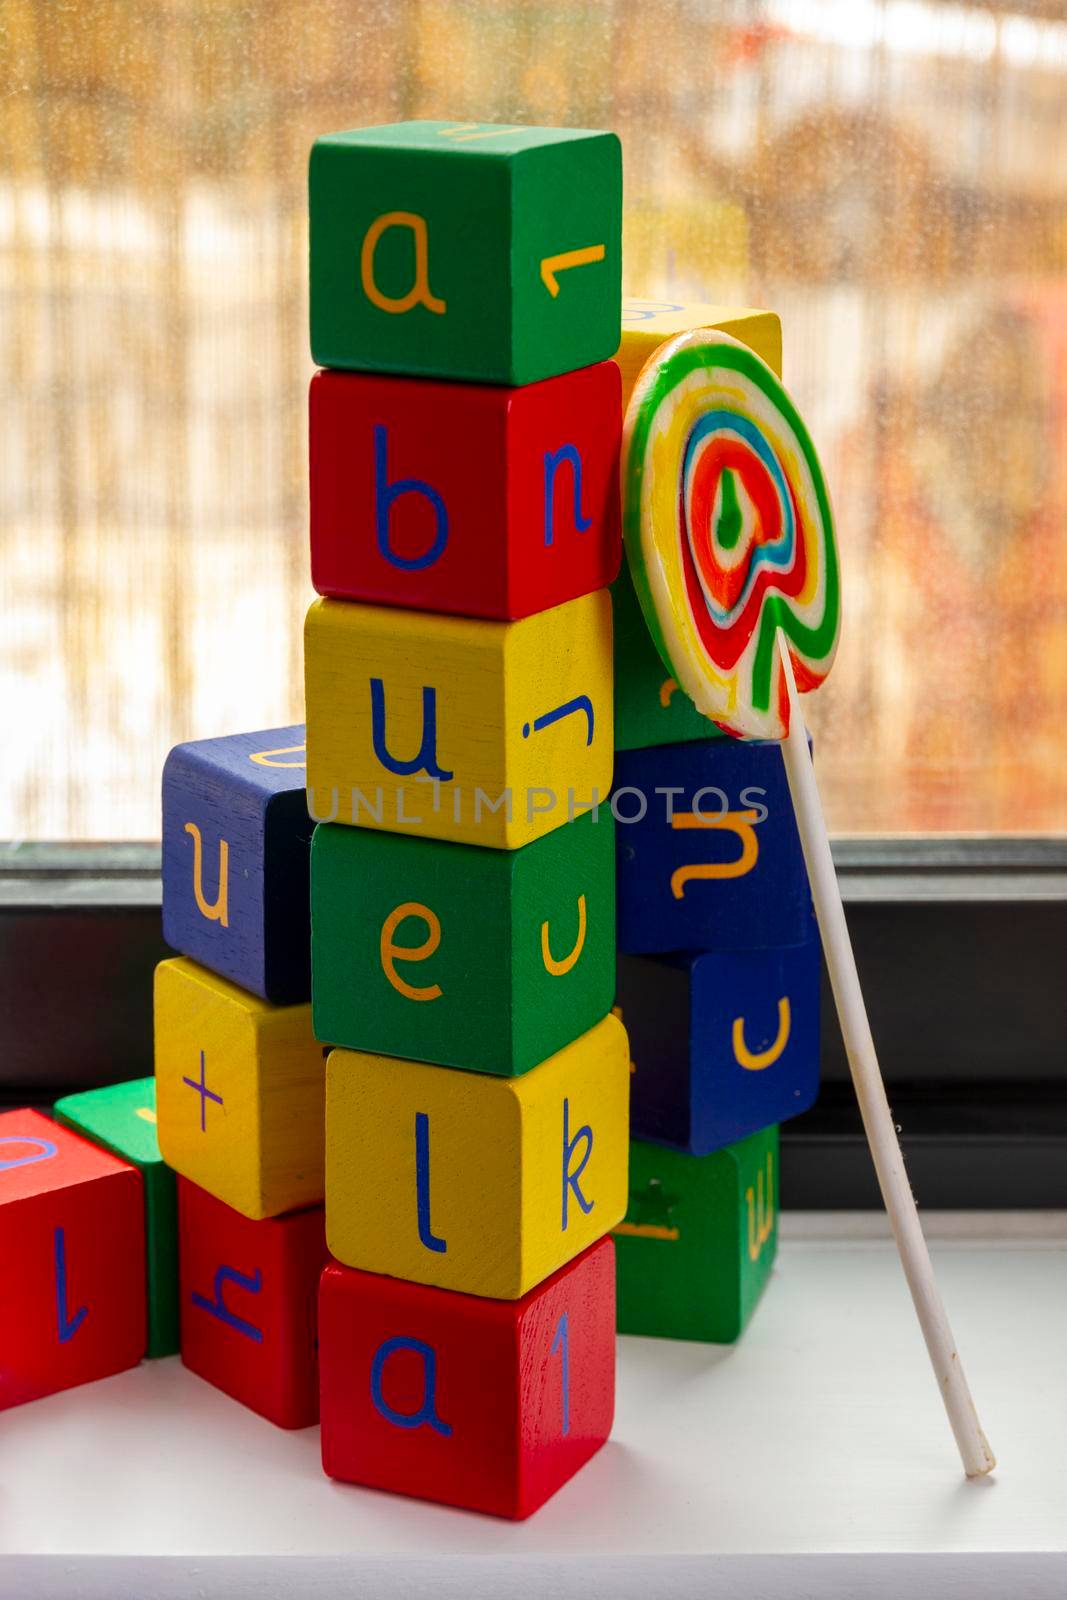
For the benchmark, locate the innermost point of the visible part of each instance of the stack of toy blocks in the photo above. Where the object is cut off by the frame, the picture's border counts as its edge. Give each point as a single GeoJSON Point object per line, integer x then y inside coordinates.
{"type": "Point", "coordinates": [240, 1077]}
{"type": "Point", "coordinates": [719, 967]}
{"type": "Point", "coordinates": [464, 506]}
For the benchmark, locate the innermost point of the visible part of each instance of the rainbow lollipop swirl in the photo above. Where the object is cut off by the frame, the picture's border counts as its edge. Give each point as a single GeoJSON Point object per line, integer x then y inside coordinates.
{"type": "Point", "coordinates": [729, 531]}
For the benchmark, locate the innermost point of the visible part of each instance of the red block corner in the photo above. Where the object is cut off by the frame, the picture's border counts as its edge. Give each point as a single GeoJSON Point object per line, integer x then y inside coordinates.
{"type": "Point", "coordinates": [72, 1260]}
{"type": "Point", "coordinates": [488, 1404]}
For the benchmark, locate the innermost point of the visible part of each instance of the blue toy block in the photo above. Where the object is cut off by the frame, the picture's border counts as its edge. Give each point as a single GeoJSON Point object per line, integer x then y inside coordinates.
{"type": "Point", "coordinates": [236, 841]}
{"type": "Point", "coordinates": [722, 1043]}
{"type": "Point", "coordinates": [707, 849]}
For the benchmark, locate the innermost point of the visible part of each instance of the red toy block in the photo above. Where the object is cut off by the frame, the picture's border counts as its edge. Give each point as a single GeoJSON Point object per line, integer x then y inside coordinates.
{"type": "Point", "coordinates": [72, 1260]}
{"type": "Point", "coordinates": [248, 1304]}
{"type": "Point", "coordinates": [488, 1404]}
{"type": "Point", "coordinates": [454, 497]}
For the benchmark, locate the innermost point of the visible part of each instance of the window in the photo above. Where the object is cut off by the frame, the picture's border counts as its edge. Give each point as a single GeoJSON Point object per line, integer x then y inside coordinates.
{"type": "Point", "coordinates": [885, 173]}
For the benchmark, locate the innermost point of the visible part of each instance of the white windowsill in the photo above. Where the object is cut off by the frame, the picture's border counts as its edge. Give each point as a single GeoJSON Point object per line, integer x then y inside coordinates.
{"type": "Point", "coordinates": [819, 1436]}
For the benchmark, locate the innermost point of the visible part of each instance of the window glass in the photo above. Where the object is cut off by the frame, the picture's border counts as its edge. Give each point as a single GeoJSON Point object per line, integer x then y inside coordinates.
{"type": "Point", "coordinates": [889, 176]}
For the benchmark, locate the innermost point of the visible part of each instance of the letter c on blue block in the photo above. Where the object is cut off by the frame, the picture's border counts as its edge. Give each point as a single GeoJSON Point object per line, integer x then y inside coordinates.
{"type": "Point", "coordinates": [427, 1410]}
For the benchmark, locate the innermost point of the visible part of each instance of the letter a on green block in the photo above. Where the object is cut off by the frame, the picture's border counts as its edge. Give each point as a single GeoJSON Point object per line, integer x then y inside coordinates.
{"type": "Point", "coordinates": [466, 250]}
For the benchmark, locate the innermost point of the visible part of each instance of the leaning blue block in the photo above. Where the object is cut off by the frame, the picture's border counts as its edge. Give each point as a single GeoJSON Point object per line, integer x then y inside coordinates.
{"type": "Point", "coordinates": [236, 840]}
{"type": "Point", "coordinates": [712, 860]}
{"type": "Point", "coordinates": [722, 1043]}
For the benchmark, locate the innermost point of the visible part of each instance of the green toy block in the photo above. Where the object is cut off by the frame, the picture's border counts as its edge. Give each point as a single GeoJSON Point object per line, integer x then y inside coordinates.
{"type": "Point", "coordinates": [650, 708]}
{"type": "Point", "coordinates": [699, 1239]}
{"type": "Point", "coordinates": [466, 250]}
{"type": "Point", "coordinates": [459, 954]}
{"type": "Point", "coordinates": [122, 1118]}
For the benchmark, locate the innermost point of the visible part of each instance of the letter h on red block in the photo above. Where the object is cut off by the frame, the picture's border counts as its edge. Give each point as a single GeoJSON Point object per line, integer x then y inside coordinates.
{"type": "Point", "coordinates": [248, 1304]}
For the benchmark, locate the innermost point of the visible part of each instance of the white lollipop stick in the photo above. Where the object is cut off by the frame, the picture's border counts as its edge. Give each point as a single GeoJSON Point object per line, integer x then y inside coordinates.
{"type": "Point", "coordinates": [973, 1446]}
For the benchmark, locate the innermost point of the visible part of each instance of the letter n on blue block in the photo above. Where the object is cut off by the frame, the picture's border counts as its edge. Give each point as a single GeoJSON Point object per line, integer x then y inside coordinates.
{"type": "Point", "coordinates": [714, 860]}
{"type": "Point", "coordinates": [236, 838]}
{"type": "Point", "coordinates": [724, 1042]}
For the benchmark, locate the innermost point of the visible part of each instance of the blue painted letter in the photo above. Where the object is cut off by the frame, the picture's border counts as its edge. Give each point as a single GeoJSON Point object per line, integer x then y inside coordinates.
{"type": "Point", "coordinates": [571, 1179]}
{"type": "Point", "coordinates": [67, 1325]}
{"type": "Point", "coordinates": [560, 1343]}
{"type": "Point", "coordinates": [426, 759]}
{"type": "Point", "coordinates": [422, 1183]}
{"type": "Point", "coordinates": [218, 1308]}
{"type": "Point", "coordinates": [385, 493]}
{"type": "Point", "coordinates": [426, 1412]}
{"type": "Point", "coordinates": [554, 460]}
{"type": "Point", "coordinates": [44, 1152]}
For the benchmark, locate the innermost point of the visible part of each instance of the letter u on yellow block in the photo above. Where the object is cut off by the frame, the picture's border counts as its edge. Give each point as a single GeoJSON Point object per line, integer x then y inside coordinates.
{"type": "Point", "coordinates": [493, 733]}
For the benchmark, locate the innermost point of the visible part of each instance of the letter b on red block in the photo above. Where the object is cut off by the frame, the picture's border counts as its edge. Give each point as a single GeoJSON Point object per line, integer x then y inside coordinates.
{"type": "Point", "coordinates": [487, 1404]}
{"type": "Point", "coordinates": [454, 497]}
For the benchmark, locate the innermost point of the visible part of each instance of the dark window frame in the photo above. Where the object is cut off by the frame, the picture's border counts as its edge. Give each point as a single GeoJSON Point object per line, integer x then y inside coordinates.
{"type": "Point", "coordinates": [961, 945]}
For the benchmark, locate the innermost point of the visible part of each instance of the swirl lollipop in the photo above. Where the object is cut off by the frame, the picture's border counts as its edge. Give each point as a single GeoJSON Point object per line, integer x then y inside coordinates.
{"type": "Point", "coordinates": [730, 540]}
{"type": "Point", "coordinates": [729, 531]}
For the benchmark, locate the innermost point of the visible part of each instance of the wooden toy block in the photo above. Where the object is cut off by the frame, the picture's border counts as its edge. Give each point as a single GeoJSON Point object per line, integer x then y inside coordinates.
{"type": "Point", "coordinates": [650, 708]}
{"type": "Point", "coordinates": [712, 859]}
{"type": "Point", "coordinates": [72, 1285]}
{"type": "Point", "coordinates": [472, 1182]}
{"type": "Point", "coordinates": [646, 324]}
{"type": "Point", "coordinates": [486, 959]}
{"type": "Point", "coordinates": [489, 733]}
{"type": "Point", "coordinates": [451, 497]}
{"type": "Point", "coordinates": [235, 859]}
{"type": "Point", "coordinates": [249, 1304]}
{"type": "Point", "coordinates": [723, 1043]}
{"type": "Point", "coordinates": [487, 1404]}
{"type": "Point", "coordinates": [699, 1239]}
{"type": "Point", "coordinates": [465, 250]}
{"type": "Point", "coordinates": [122, 1119]}
{"type": "Point", "coordinates": [240, 1090]}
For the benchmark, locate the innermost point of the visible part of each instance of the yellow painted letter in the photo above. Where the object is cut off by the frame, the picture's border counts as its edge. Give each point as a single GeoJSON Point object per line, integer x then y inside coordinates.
{"type": "Point", "coordinates": [760, 1212]}
{"type": "Point", "coordinates": [558, 968]}
{"type": "Point", "coordinates": [739, 822]}
{"type": "Point", "coordinates": [219, 912]}
{"type": "Point", "coordinates": [419, 293]}
{"type": "Point", "coordinates": [419, 952]}
{"type": "Point", "coordinates": [763, 1058]}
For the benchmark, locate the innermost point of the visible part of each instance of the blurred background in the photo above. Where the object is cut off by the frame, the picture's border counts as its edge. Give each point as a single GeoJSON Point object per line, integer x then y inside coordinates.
{"type": "Point", "coordinates": [890, 175]}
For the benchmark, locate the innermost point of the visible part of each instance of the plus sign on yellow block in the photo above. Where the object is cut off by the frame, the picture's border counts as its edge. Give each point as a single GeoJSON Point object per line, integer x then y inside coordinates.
{"type": "Point", "coordinates": [240, 1089]}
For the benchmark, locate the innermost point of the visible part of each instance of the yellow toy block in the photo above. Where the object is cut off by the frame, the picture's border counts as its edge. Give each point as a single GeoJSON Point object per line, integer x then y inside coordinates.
{"type": "Point", "coordinates": [647, 323]}
{"type": "Point", "coordinates": [465, 1181]}
{"type": "Point", "coordinates": [493, 733]}
{"type": "Point", "coordinates": [240, 1092]}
